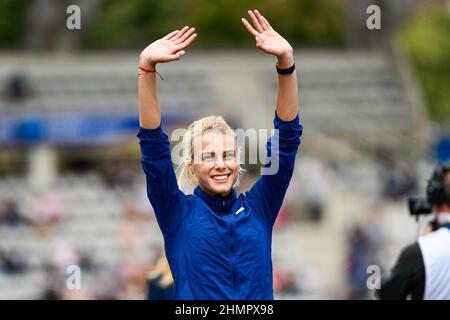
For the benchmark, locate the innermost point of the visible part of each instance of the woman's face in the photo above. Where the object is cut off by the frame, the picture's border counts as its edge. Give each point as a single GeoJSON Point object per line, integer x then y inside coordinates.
{"type": "Point", "coordinates": [215, 162]}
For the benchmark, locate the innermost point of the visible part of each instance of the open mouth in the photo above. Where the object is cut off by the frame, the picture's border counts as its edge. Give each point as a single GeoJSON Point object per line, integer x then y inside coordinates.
{"type": "Point", "coordinates": [220, 177]}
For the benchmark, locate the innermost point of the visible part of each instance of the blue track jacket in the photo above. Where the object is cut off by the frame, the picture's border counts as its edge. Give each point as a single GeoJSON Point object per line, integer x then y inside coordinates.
{"type": "Point", "coordinates": [219, 247]}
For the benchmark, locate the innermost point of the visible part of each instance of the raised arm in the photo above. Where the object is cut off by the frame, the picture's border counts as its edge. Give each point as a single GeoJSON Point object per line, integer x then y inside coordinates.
{"type": "Point", "coordinates": [162, 188]}
{"type": "Point", "coordinates": [269, 190]}
{"type": "Point", "coordinates": [169, 48]}
{"type": "Point", "coordinates": [271, 42]}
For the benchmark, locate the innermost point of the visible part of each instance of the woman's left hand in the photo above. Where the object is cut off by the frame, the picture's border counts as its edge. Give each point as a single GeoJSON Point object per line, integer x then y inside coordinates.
{"type": "Point", "coordinates": [267, 39]}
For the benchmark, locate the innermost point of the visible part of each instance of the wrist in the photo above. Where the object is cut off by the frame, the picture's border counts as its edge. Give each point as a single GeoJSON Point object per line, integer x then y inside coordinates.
{"type": "Point", "coordinates": [286, 60]}
{"type": "Point", "coordinates": [146, 63]}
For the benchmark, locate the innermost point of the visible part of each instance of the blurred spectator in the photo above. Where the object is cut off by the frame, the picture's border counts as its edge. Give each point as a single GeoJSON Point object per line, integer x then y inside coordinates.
{"type": "Point", "coordinates": [11, 215]}
{"type": "Point", "coordinates": [316, 191]}
{"type": "Point", "coordinates": [357, 262]}
{"type": "Point", "coordinates": [396, 181]}
{"type": "Point", "coordinates": [65, 255]}
{"type": "Point", "coordinates": [17, 88]}
{"type": "Point", "coordinates": [11, 262]}
{"type": "Point", "coordinates": [138, 213]}
{"type": "Point", "coordinates": [86, 261]}
{"type": "Point", "coordinates": [284, 282]}
{"type": "Point", "coordinates": [118, 173]}
{"type": "Point", "coordinates": [364, 243]}
{"type": "Point", "coordinates": [52, 289]}
{"type": "Point", "coordinates": [47, 209]}
{"type": "Point", "coordinates": [108, 283]}
{"type": "Point", "coordinates": [132, 278]}
{"type": "Point", "coordinates": [55, 287]}
{"type": "Point", "coordinates": [160, 280]}
{"type": "Point", "coordinates": [310, 188]}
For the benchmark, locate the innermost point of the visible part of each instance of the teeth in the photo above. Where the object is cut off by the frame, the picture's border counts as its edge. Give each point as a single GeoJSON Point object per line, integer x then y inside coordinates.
{"type": "Point", "coordinates": [220, 177]}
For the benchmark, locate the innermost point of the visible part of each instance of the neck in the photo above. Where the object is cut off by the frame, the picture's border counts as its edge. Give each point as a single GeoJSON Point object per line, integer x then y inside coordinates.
{"type": "Point", "coordinates": [213, 194]}
{"type": "Point", "coordinates": [443, 218]}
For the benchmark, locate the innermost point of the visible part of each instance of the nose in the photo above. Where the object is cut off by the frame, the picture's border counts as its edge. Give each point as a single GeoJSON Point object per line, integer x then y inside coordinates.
{"type": "Point", "coordinates": [220, 164]}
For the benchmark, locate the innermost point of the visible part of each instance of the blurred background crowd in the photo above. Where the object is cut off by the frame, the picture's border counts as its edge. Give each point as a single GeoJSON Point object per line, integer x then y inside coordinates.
{"type": "Point", "coordinates": [375, 106]}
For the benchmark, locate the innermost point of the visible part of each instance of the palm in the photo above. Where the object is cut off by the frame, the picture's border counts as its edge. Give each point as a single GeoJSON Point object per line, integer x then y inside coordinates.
{"type": "Point", "coordinates": [169, 48]}
{"type": "Point", "coordinates": [267, 39]}
{"type": "Point", "coordinates": [272, 43]}
{"type": "Point", "coordinates": [160, 50]}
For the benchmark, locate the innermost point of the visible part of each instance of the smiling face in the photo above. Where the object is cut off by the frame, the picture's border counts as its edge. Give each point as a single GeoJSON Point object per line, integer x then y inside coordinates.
{"type": "Point", "coordinates": [215, 162]}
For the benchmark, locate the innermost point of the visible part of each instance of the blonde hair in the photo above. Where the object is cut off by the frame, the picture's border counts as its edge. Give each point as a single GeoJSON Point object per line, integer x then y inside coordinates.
{"type": "Point", "coordinates": [187, 180]}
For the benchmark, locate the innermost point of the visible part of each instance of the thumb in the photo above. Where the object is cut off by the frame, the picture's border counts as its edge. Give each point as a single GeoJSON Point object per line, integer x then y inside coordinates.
{"type": "Point", "coordinates": [176, 56]}
{"type": "Point", "coordinates": [258, 41]}
{"type": "Point", "coordinates": [179, 54]}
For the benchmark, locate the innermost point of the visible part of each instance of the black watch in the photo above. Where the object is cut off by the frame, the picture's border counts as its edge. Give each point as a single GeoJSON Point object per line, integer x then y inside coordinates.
{"type": "Point", "coordinates": [287, 70]}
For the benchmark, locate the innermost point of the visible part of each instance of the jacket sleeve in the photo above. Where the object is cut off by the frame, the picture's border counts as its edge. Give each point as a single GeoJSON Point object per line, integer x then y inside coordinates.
{"type": "Point", "coordinates": [407, 277]}
{"type": "Point", "coordinates": [268, 192]}
{"type": "Point", "coordinates": [162, 188]}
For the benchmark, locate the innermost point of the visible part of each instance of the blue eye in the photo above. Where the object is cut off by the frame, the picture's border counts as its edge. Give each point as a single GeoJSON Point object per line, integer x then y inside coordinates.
{"type": "Point", "coordinates": [229, 155]}
{"type": "Point", "coordinates": [208, 157]}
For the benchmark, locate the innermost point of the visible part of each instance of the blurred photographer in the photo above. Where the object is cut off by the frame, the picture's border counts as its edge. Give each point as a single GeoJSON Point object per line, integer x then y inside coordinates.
{"type": "Point", "coordinates": [422, 270]}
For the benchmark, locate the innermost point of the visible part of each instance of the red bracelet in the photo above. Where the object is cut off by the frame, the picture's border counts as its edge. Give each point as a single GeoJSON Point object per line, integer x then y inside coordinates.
{"type": "Point", "coordinates": [149, 71]}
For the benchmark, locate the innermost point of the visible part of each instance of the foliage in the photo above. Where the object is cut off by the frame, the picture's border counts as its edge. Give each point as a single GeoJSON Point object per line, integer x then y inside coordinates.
{"type": "Point", "coordinates": [135, 23]}
{"type": "Point", "coordinates": [426, 38]}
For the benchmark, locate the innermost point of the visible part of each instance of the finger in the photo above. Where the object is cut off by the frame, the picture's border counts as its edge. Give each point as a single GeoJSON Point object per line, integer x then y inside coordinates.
{"type": "Point", "coordinates": [249, 27]}
{"type": "Point", "coordinates": [262, 20]}
{"type": "Point", "coordinates": [267, 23]}
{"type": "Point", "coordinates": [255, 21]}
{"type": "Point", "coordinates": [173, 57]}
{"type": "Point", "coordinates": [180, 33]}
{"type": "Point", "coordinates": [170, 35]}
{"type": "Point", "coordinates": [185, 36]}
{"type": "Point", "coordinates": [185, 43]}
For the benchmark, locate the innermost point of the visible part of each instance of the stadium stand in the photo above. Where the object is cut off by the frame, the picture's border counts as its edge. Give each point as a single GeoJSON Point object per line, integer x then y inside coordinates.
{"type": "Point", "coordinates": [351, 104]}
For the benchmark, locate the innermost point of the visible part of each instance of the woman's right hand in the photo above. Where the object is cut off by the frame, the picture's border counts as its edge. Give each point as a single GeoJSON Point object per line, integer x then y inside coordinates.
{"type": "Point", "coordinates": [167, 49]}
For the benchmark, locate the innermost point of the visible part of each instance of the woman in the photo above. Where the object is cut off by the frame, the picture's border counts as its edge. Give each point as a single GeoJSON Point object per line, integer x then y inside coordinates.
{"type": "Point", "coordinates": [218, 244]}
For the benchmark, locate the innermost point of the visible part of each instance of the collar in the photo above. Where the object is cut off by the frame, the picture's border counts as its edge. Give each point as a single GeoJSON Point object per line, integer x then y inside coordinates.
{"type": "Point", "coordinates": [443, 218]}
{"type": "Point", "coordinates": [217, 203]}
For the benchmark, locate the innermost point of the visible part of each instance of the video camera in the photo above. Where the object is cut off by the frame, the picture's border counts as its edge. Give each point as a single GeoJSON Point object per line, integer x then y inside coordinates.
{"type": "Point", "coordinates": [437, 193]}
{"type": "Point", "coordinates": [419, 206]}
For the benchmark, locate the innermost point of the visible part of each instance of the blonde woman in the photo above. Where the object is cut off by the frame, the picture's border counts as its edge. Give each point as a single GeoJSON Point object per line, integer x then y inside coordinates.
{"type": "Point", "coordinates": [218, 243]}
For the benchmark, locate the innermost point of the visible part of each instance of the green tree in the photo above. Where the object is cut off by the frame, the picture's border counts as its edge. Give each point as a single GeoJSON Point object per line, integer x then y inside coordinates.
{"type": "Point", "coordinates": [12, 22]}
{"type": "Point", "coordinates": [426, 38]}
{"type": "Point", "coordinates": [134, 23]}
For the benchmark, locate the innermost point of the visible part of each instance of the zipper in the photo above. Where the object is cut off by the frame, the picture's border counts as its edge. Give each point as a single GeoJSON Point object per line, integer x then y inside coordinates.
{"type": "Point", "coordinates": [232, 250]}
